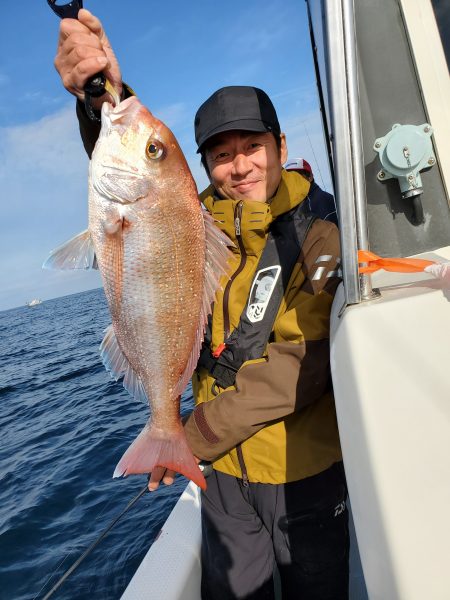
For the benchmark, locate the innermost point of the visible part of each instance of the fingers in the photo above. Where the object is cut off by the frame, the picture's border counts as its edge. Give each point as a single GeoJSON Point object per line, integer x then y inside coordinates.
{"type": "Point", "coordinates": [112, 70]}
{"type": "Point", "coordinates": [158, 474]}
{"type": "Point", "coordinates": [80, 55]}
{"type": "Point", "coordinates": [82, 71]}
{"type": "Point", "coordinates": [91, 22]}
{"type": "Point", "coordinates": [169, 477]}
{"type": "Point", "coordinates": [83, 51]}
{"type": "Point", "coordinates": [155, 478]}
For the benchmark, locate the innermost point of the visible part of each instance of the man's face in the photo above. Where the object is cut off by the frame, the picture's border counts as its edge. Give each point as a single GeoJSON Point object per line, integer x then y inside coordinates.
{"type": "Point", "coordinates": [244, 165]}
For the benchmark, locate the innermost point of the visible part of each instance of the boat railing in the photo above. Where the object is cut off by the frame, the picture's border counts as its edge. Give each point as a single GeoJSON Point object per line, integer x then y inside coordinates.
{"type": "Point", "coordinates": [342, 80]}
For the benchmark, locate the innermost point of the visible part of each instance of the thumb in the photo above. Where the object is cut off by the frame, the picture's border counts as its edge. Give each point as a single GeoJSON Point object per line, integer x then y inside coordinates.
{"type": "Point", "coordinates": [91, 22]}
{"type": "Point", "coordinates": [112, 68]}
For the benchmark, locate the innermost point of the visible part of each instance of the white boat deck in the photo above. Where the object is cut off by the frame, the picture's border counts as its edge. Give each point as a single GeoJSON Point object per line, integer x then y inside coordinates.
{"type": "Point", "coordinates": [171, 568]}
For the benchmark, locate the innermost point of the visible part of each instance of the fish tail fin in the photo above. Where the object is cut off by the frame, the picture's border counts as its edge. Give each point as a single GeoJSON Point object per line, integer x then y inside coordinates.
{"type": "Point", "coordinates": [153, 449]}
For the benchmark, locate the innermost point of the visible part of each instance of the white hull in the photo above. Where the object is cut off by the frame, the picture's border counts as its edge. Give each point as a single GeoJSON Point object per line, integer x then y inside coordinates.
{"type": "Point", "coordinates": [171, 568]}
{"type": "Point", "coordinates": [390, 362]}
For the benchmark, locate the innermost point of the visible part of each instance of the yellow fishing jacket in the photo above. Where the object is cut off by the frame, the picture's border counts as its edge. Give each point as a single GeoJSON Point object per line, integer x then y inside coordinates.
{"type": "Point", "coordinates": [277, 423]}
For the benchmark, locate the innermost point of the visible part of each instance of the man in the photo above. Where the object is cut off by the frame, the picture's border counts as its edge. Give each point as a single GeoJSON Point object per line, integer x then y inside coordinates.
{"type": "Point", "coordinates": [276, 493]}
{"type": "Point", "coordinates": [320, 202]}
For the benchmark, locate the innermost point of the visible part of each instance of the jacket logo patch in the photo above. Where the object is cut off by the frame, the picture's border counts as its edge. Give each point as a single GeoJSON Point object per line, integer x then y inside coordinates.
{"type": "Point", "coordinates": [261, 292]}
{"type": "Point", "coordinates": [339, 509]}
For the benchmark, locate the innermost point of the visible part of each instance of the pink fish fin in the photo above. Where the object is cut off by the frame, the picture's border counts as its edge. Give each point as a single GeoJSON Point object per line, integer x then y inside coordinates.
{"type": "Point", "coordinates": [77, 253]}
{"type": "Point", "coordinates": [216, 261]}
{"type": "Point", "coordinates": [216, 265]}
{"type": "Point", "coordinates": [117, 365]}
{"type": "Point", "coordinates": [153, 448]}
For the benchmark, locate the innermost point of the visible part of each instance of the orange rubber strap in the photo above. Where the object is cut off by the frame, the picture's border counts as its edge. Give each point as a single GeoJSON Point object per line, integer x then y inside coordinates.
{"type": "Point", "coordinates": [218, 351]}
{"type": "Point", "coordinates": [398, 265]}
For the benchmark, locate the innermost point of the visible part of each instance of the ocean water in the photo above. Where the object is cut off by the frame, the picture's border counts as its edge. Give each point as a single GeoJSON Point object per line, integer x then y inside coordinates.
{"type": "Point", "coordinates": [64, 425]}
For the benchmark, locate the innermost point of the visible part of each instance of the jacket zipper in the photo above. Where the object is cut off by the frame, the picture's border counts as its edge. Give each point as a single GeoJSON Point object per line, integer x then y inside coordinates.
{"type": "Point", "coordinates": [226, 293]}
{"type": "Point", "coordinates": [226, 315]}
{"type": "Point", "coordinates": [240, 456]}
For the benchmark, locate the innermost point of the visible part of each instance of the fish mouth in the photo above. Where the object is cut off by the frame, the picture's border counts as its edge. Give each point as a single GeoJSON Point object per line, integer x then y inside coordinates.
{"type": "Point", "coordinates": [113, 174]}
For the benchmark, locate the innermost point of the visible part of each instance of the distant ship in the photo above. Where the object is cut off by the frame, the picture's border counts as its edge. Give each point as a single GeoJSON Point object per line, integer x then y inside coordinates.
{"type": "Point", "coordinates": [34, 302]}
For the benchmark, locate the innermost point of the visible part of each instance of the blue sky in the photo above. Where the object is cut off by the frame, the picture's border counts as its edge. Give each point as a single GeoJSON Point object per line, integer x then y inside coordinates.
{"type": "Point", "coordinates": [174, 55]}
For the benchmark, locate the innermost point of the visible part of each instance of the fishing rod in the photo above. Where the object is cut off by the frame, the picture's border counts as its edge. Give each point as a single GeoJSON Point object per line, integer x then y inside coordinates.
{"type": "Point", "coordinates": [314, 154]}
{"type": "Point", "coordinates": [72, 568]}
{"type": "Point", "coordinates": [323, 111]}
{"type": "Point", "coordinates": [96, 85]}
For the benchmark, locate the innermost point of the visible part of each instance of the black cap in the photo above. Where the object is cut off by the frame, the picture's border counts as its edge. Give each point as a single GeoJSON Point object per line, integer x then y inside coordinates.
{"type": "Point", "coordinates": [235, 107]}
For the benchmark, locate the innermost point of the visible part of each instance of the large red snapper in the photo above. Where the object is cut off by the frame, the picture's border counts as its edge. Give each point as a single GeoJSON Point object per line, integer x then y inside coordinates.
{"type": "Point", "coordinates": [160, 257]}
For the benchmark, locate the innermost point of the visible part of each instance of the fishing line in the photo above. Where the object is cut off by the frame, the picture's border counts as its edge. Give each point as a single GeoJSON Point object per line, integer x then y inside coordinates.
{"type": "Point", "coordinates": [72, 568]}
{"type": "Point", "coordinates": [72, 548]}
{"type": "Point", "coordinates": [314, 154]}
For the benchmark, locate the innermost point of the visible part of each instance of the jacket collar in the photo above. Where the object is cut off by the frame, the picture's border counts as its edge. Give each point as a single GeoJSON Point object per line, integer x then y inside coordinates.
{"type": "Point", "coordinates": [255, 217]}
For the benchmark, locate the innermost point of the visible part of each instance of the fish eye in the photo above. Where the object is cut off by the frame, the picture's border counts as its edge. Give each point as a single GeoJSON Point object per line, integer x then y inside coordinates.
{"type": "Point", "coordinates": [154, 149]}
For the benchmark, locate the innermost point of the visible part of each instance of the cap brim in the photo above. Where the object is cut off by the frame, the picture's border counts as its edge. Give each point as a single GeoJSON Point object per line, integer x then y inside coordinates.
{"type": "Point", "coordinates": [241, 125]}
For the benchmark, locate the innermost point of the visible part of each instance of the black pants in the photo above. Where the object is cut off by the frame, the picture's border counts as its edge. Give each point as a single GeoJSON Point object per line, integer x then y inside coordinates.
{"type": "Point", "coordinates": [301, 526]}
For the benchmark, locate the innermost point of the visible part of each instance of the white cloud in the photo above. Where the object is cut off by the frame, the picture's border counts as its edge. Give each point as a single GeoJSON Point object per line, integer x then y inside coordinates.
{"type": "Point", "coordinates": [43, 183]}
{"type": "Point", "coordinates": [174, 115]}
{"type": "Point", "coordinates": [242, 72]}
{"type": "Point", "coordinates": [301, 95]}
{"type": "Point", "coordinates": [50, 146]}
{"type": "Point", "coordinates": [149, 37]}
{"type": "Point", "coordinates": [38, 97]}
{"type": "Point", "coordinates": [257, 33]}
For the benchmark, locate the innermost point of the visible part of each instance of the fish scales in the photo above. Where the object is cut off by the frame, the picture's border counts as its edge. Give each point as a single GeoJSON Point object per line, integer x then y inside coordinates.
{"type": "Point", "coordinates": [155, 311]}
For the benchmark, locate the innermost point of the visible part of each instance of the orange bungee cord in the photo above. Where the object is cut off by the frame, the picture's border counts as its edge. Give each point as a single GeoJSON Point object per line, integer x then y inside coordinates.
{"type": "Point", "coordinates": [373, 263]}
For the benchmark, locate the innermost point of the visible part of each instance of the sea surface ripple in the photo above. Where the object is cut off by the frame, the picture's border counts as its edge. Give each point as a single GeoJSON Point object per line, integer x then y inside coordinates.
{"type": "Point", "coordinates": [64, 425]}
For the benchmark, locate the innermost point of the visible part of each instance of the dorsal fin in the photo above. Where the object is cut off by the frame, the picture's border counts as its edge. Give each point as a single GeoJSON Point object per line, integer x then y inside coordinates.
{"type": "Point", "coordinates": [217, 255]}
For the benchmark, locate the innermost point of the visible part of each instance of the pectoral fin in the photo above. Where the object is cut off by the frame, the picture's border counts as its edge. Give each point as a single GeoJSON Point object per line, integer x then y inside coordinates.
{"type": "Point", "coordinates": [77, 253]}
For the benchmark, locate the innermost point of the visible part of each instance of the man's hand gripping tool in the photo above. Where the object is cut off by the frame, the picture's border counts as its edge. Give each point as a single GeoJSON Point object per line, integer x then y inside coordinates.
{"type": "Point", "coordinates": [96, 85]}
